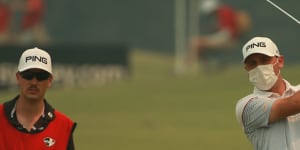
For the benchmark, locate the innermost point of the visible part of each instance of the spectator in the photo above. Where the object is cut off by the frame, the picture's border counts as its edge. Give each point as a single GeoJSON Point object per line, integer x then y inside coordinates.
{"type": "Point", "coordinates": [27, 22]}
{"type": "Point", "coordinates": [229, 26]}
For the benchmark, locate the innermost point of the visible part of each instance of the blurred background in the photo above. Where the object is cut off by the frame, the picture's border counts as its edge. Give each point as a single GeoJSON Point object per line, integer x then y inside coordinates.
{"type": "Point", "coordinates": [120, 72]}
{"type": "Point", "coordinates": [150, 25]}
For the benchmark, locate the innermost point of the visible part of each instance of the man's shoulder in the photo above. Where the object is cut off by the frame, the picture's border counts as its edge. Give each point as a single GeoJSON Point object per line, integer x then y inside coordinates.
{"type": "Point", "coordinates": [240, 106]}
{"type": "Point", "coordinates": [64, 120]}
{"type": "Point", "coordinates": [1, 108]}
{"type": "Point", "coordinates": [251, 97]}
{"type": "Point", "coordinates": [246, 98]}
{"type": "Point", "coordinates": [2, 111]}
{"type": "Point", "coordinates": [62, 117]}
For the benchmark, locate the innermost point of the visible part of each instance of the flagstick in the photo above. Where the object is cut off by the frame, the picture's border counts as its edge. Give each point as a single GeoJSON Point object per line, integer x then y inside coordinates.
{"type": "Point", "coordinates": [286, 13]}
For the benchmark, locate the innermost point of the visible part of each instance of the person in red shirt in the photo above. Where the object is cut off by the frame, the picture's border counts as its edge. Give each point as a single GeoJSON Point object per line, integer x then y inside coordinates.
{"type": "Point", "coordinates": [28, 121]}
{"type": "Point", "coordinates": [21, 22]}
{"type": "Point", "coordinates": [225, 32]}
{"type": "Point", "coordinates": [32, 26]}
{"type": "Point", "coordinates": [33, 13]}
{"type": "Point", "coordinates": [28, 22]}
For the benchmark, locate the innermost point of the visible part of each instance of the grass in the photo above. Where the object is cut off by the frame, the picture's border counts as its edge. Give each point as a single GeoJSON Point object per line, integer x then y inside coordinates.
{"type": "Point", "coordinates": [153, 109]}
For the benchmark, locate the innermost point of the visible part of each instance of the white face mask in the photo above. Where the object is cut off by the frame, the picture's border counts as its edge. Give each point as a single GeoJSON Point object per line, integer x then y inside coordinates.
{"type": "Point", "coordinates": [263, 76]}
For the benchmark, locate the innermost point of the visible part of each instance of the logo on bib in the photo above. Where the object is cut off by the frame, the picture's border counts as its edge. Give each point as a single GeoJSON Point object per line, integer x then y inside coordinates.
{"type": "Point", "coordinates": [49, 141]}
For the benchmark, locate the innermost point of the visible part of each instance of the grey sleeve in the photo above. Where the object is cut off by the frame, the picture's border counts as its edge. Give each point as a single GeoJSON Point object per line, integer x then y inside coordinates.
{"type": "Point", "coordinates": [256, 113]}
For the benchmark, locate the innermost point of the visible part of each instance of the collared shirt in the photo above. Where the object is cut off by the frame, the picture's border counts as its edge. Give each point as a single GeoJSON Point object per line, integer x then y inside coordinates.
{"type": "Point", "coordinates": [39, 126]}
{"type": "Point", "coordinates": [253, 113]}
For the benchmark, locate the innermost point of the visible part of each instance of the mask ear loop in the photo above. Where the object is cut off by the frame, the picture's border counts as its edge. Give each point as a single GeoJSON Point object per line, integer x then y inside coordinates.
{"type": "Point", "coordinates": [276, 64]}
{"type": "Point", "coordinates": [276, 61]}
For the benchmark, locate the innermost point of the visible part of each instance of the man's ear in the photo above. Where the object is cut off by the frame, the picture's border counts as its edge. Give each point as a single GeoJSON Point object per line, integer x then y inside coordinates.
{"type": "Point", "coordinates": [18, 77]}
{"type": "Point", "coordinates": [50, 81]}
{"type": "Point", "coordinates": [281, 61]}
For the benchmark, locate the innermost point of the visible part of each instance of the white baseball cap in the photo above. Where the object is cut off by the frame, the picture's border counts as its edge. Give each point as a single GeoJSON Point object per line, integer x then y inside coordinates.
{"type": "Point", "coordinates": [35, 58]}
{"type": "Point", "coordinates": [261, 45]}
{"type": "Point", "coordinates": [208, 6]}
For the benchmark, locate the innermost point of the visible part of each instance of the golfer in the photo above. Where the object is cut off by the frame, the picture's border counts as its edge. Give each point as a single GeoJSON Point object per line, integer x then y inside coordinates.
{"type": "Point", "coordinates": [28, 122]}
{"type": "Point", "coordinates": [270, 115]}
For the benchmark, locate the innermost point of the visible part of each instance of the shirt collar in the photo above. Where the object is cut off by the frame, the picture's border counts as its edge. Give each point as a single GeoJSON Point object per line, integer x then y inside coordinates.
{"type": "Point", "coordinates": [288, 90]}
{"type": "Point", "coordinates": [39, 126]}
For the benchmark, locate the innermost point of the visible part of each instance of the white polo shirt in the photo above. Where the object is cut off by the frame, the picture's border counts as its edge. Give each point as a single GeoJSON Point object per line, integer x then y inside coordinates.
{"type": "Point", "coordinates": [253, 113]}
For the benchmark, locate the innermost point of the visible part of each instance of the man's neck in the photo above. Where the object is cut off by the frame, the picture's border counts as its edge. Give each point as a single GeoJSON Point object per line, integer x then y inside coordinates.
{"type": "Point", "coordinates": [28, 112]}
{"type": "Point", "coordinates": [280, 87]}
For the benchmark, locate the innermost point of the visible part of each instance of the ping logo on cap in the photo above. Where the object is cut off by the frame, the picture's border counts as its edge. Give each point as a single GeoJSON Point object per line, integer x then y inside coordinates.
{"type": "Point", "coordinates": [258, 44]}
{"type": "Point", "coordinates": [36, 58]}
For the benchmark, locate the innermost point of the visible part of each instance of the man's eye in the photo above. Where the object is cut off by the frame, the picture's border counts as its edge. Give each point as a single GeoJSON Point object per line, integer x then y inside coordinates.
{"type": "Point", "coordinates": [266, 61]}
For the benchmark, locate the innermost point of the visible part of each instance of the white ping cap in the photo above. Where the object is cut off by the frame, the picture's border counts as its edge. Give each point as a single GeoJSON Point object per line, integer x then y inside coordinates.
{"type": "Point", "coordinates": [35, 58]}
{"type": "Point", "coordinates": [261, 45]}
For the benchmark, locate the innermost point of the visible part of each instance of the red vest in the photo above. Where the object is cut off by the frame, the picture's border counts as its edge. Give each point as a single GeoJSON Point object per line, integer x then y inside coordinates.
{"type": "Point", "coordinates": [54, 137]}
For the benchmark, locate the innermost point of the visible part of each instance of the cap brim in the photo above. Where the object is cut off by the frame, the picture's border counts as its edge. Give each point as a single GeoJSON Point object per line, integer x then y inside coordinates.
{"type": "Point", "coordinates": [34, 67]}
{"type": "Point", "coordinates": [258, 52]}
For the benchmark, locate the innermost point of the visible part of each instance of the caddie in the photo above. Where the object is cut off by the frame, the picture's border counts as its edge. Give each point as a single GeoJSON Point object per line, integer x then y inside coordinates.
{"type": "Point", "coordinates": [28, 121]}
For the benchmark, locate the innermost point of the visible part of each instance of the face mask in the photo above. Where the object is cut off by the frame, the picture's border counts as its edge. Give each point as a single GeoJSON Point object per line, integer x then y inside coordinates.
{"type": "Point", "coordinates": [263, 76]}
